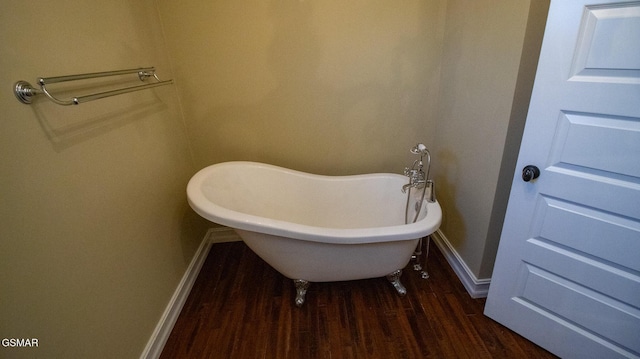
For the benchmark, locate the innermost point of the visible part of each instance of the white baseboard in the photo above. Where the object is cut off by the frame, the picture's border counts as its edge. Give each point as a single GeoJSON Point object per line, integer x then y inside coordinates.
{"type": "Point", "coordinates": [477, 288]}
{"type": "Point", "coordinates": [170, 316]}
{"type": "Point", "coordinates": [222, 235]}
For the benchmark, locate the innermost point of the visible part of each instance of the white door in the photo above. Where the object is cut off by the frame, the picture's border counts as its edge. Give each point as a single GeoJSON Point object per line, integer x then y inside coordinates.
{"type": "Point", "coordinates": [567, 274]}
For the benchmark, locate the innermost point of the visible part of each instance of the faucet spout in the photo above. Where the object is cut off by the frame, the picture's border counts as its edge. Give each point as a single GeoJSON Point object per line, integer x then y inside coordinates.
{"type": "Point", "coordinates": [417, 182]}
{"type": "Point", "coordinates": [406, 187]}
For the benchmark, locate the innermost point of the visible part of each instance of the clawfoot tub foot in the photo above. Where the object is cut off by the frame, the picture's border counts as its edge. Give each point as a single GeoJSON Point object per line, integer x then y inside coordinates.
{"type": "Point", "coordinates": [394, 279]}
{"type": "Point", "coordinates": [301, 290]}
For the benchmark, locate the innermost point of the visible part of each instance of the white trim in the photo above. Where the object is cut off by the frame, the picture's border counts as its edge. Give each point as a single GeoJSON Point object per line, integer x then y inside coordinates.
{"type": "Point", "coordinates": [477, 288]}
{"type": "Point", "coordinates": [170, 316]}
{"type": "Point", "coordinates": [221, 235]}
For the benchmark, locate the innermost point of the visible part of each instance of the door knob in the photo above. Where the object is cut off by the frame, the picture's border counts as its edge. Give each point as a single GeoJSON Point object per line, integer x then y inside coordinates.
{"type": "Point", "coordinates": [530, 173]}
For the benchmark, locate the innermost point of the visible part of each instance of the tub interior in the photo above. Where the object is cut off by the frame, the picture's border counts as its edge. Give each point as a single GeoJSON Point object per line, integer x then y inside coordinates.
{"type": "Point", "coordinates": [360, 201]}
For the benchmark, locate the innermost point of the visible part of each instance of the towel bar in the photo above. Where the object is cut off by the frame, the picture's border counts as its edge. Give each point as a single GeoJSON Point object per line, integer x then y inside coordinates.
{"type": "Point", "coordinates": [25, 92]}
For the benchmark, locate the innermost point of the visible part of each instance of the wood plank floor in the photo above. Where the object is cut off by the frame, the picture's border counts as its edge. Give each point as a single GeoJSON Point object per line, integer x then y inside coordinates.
{"type": "Point", "coordinates": [240, 307]}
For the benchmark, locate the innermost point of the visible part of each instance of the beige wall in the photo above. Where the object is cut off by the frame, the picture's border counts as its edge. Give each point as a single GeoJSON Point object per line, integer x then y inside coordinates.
{"type": "Point", "coordinates": [95, 232]}
{"type": "Point", "coordinates": [332, 87]}
{"type": "Point", "coordinates": [480, 67]}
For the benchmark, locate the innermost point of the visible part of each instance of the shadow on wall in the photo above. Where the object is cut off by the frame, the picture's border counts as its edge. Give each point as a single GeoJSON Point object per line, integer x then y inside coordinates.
{"type": "Point", "coordinates": [193, 229]}
{"type": "Point", "coordinates": [90, 120]}
{"type": "Point", "coordinates": [304, 122]}
{"type": "Point", "coordinates": [452, 221]}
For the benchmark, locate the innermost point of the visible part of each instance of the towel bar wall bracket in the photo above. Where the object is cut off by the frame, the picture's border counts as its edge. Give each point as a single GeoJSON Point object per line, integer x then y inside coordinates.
{"type": "Point", "coordinates": [25, 92]}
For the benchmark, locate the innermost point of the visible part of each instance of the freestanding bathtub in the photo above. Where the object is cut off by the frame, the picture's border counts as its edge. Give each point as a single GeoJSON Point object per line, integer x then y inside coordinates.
{"type": "Point", "coordinates": [314, 228]}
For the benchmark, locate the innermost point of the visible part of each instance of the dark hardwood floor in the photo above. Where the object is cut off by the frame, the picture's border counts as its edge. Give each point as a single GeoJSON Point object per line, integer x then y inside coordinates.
{"type": "Point", "coordinates": [240, 307]}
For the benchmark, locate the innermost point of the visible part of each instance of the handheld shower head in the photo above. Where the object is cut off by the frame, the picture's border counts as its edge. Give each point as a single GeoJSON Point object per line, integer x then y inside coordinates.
{"type": "Point", "coordinates": [419, 149]}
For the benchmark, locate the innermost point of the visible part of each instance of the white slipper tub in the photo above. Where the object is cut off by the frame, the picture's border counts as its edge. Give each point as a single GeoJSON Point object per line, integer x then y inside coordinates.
{"type": "Point", "coordinates": [314, 228]}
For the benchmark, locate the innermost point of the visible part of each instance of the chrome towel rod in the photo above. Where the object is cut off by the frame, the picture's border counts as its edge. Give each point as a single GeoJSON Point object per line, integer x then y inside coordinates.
{"type": "Point", "coordinates": [25, 92]}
